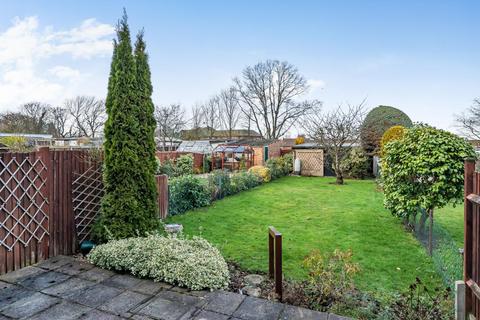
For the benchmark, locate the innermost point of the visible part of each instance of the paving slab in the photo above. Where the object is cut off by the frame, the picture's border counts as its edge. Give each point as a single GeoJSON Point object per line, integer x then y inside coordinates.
{"type": "Point", "coordinates": [21, 274]}
{"type": "Point", "coordinates": [121, 281]}
{"type": "Point", "coordinates": [99, 315]}
{"type": "Point", "coordinates": [258, 309]}
{"type": "Point", "coordinates": [54, 263]}
{"type": "Point", "coordinates": [9, 293]}
{"type": "Point", "coordinates": [183, 299]}
{"type": "Point", "coordinates": [223, 302]}
{"type": "Point", "coordinates": [29, 306]}
{"type": "Point", "coordinates": [44, 280]}
{"type": "Point", "coordinates": [209, 315]}
{"type": "Point", "coordinates": [124, 302]}
{"type": "Point", "coordinates": [150, 287]}
{"type": "Point", "coordinates": [161, 308]}
{"type": "Point", "coordinates": [64, 288]}
{"type": "Point", "coordinates": [75, 267]}
{"type": "Point", "coordinates": [95, 296]}
{"type": "Point", "coordinates": [62, 311]}
{"type": "Point", "coordinates": [293, 313]}
{"type": "Point", "coordinates": [96, 274]}
{"type": "Point", "coordinates": [69, 287]}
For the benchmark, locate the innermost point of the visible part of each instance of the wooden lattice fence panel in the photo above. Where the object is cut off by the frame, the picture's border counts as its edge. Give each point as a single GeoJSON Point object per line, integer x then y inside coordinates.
{"type": "Point", "coordinates": [24, 210]}
{"type": "Point", "coordinates": [87, 195]}
{"type": "Point", "coordinates": [312, 162]}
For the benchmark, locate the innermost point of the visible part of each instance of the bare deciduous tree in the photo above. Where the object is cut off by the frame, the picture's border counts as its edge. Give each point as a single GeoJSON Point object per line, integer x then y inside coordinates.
{"type": "Point", "coordinates": [38, 115]}
{"type": "Point", "coordinates": [170, 121]}
{"type": "Point", "coordinates": [88, 115]}
{"type": "Point", "coordinates": [268, 93]}
{"type": "Point", "coordinates": [197, 116]}
{"type": "Point", "coordinates": [336, 132]}
{"type": "Point", "coordinates": [468, 122]}
{"type": "Point", "coordinates": [210, 115]}
{"type": "Point", "coordinates": [60, 119]}
{"type": "Point", "coordinates": [229, 109]}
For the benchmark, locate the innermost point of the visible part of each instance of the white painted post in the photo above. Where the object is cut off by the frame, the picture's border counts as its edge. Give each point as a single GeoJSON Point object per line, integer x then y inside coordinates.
{"type": "Point", "coordinates": [460, 300]}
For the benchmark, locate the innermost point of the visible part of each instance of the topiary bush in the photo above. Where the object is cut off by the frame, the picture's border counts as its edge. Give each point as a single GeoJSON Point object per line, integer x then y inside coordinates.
{"type": "Point", "coordinates": [192, 263]}
{"type": "Point", "coordinates": [377, 121]}
{"type": "Point", "coordinates": [186, 193]}
{"type": "Point", "coordinates": [263, 173]}
{"type": "Point", "coordinates": [393, 134]}
{"type": "Point", "coordinates": [356, 164]}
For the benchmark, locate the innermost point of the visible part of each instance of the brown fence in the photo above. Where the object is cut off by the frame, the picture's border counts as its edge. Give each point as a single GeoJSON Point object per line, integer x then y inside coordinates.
{"type": "Point", "coordinates": [471, 267]}
{"type": "Point", "coordinates": [48, 200]}
{"type": "Point", "coordinates": [162, 190]}
{"type": "Point", "coordinates": [173, 155]}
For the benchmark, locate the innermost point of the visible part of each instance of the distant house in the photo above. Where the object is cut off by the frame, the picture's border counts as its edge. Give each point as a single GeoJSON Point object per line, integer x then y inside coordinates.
{"type": "Point", "coordinates": [207, 133]}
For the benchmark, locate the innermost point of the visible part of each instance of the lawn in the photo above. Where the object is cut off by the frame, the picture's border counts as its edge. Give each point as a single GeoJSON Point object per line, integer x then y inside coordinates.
{"type": "Point", "coordinates": [313, 213]}
{"type": "Point", "coordinates": [450, 219]}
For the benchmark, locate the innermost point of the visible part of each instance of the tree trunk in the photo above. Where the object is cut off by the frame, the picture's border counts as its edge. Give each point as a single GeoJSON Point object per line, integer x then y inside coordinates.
{"type": "Point", "coordinates": [430, 233]}
{"type": "Point", "coordinates": [421, 226]}
{"type": "Point", "coordinates": [339, 179]}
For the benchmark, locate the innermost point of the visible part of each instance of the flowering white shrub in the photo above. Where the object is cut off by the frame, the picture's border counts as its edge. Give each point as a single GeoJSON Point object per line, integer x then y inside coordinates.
{"type": "Point", "coordinates": [192, 263]}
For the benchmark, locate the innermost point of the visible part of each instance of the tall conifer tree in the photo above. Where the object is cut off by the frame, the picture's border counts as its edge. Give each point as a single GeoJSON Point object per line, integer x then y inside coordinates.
{"type": "Point", "coordinates": [124, 213]}
{"type": "Point", "coordinates": [146, 119]}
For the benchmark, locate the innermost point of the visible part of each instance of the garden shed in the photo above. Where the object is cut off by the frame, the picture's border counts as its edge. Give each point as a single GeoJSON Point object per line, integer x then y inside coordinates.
{"type": "Point", "coordinates": [233, 157]}
{"type": "Point", "coordinates": [312, 160]}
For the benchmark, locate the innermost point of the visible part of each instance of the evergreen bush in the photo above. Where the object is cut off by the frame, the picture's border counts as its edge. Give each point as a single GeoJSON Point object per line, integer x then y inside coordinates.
{"type": "Point", "coordinates": [129, 204]}
{"type": "Point", "coordinates": [187, 193]}
{"type": "Point", "coordinates": [192, 263]}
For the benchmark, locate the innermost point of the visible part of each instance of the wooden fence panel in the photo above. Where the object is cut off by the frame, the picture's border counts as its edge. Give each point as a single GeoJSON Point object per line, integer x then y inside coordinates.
{"type": "Point", "coordinates": [37, 203]}
{"type": "Point", "coordinates": [471, 264]}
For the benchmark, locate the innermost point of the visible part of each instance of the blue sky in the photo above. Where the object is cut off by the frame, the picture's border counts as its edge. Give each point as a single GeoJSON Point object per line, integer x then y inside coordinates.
{"type": "Point", "coordinates": [420, 56]}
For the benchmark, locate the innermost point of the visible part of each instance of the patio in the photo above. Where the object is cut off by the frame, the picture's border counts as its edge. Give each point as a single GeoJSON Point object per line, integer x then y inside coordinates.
{"type": "Point", "coordinates": [66, 288]}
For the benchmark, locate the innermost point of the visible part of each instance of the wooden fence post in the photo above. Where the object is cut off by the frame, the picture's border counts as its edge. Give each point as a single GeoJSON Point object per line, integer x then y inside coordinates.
{"type": "Point", "coordinates": [47, 192]}
{"type": "Point", "coordinates": [162, 195]}
{"type": "Point", "coordinates": [275, 259]}
{"type": "Point", "coordinates": [468, 229]}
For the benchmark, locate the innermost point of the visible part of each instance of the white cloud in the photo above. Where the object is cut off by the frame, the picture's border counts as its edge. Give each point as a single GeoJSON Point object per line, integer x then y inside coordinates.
{"type": "Point", "coordinates": [25, 49]}
{"type": "Point", "coordinates": [64, 72]}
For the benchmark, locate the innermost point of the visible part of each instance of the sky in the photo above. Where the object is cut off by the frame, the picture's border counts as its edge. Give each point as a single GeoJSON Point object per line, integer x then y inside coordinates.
{"type": "Point", "coordinates": [419, 56]}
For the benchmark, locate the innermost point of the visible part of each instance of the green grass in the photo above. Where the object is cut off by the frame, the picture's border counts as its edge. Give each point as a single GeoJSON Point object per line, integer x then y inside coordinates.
{"type": "Point", "coordinates": [450, 219]}
{"type": "Point", "coordinates": [313, 213]}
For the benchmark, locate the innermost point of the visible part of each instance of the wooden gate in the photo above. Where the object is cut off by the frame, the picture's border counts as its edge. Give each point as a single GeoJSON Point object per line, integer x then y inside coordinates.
{"type": "Point", "coordinates": [471, 263]}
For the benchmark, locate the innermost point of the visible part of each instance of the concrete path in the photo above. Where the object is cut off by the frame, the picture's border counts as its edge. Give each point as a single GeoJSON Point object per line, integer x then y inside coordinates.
{"type": "Point", "coordinates": [64, 288]}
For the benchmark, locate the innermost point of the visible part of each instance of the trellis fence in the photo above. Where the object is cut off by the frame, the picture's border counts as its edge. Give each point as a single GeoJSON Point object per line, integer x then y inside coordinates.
{"type": "Point", "coordinates": [48, 201]}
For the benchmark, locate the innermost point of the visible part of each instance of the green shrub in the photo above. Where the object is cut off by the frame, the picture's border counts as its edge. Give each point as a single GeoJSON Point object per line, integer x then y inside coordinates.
{"type": "Point", "coordinates": [184, 165]}
{"type": "Point", "coordinates": [421, 303]}
{"type": "Point", "coordinates": [280, 166]}
{"type": "Point", "coordinates": [186, 193]}
{"type": "Point", "coordinates": [243, 180]}
{"type": "Point", "coordinates": [276, 167]}
{"type": "Point", "coordinates": [192, 263]}
{"type": "Point", "coordinates": [220, 184]}
{"type": "Point", "coordinates": [263, 173]}
{"type": "Point", "coordinates": [377, 121]}
{"type": "Point", "coordinates": [288, 163]}
{"type": "Point", "coordinates": [166, 167]}
{"type": "Point", "coordinates": [330, 279]}
{"type": "Point", "coordinates": [356, 164]}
